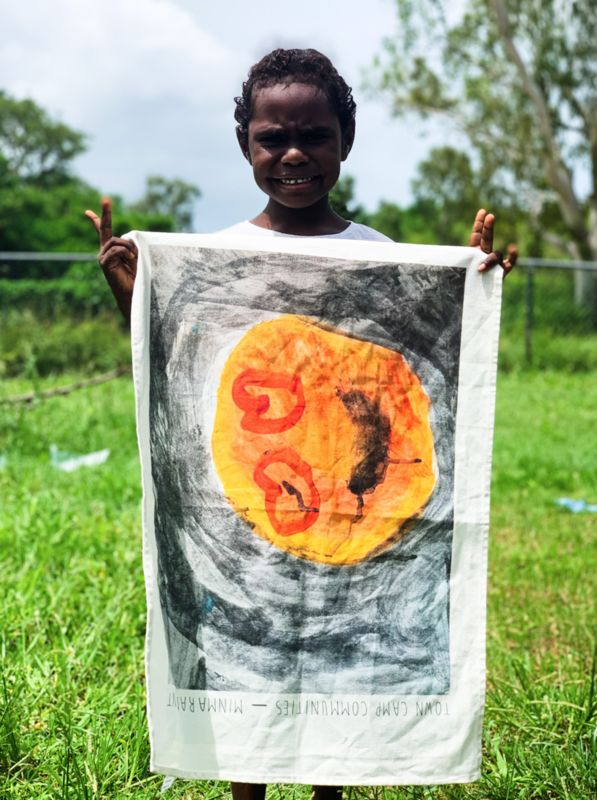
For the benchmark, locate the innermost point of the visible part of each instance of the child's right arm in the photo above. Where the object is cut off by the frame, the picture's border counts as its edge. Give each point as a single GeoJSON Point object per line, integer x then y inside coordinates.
{"type": "Point", "coordinates": [118, 259]}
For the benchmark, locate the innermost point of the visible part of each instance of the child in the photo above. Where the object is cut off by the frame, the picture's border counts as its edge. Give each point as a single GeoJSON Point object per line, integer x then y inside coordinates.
{"type": "Point", "coordinates": [296, 125]}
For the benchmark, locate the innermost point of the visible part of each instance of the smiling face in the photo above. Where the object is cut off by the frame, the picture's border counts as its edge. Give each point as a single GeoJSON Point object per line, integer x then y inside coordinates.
{"type": "Point", "coordinates": [295, 144]}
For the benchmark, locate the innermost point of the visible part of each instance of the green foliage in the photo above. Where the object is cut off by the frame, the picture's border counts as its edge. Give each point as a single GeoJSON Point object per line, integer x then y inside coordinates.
{"type": "Point", "coordinates": [45, 219]}
{"type": "Point", "coordinates": [554, 310]}
{"type": "Point", "coordinates": [34, 347]}
{"type": "Point", "coordinates": [342, 200]}
{"type": "Point", "coordinates": [397, 223]}
{"type": "Point", "coordinates": [448, 194]}
{"type": "Point", "coordinates": [519, 78]}
{"type": "Point", "coordinates": [42, 204]}
{"type": "Point", "coordinates": [72, 604]}
{"type": "Point", "coordinates": [81, 289]}
{"type": "Point", "coordinates": [564, 336]}
{"type": "Point", "coordinates": [34, 148]}
{"type": "Point", "coordinates": [389, 220]}
{"type": "Point", "coordinates": [169, 198]}
{"type": "Point", "coordinates": [53, 220]}
{"type": "Point", "coordinates": [448, 189]}
{"type": "Point", "coordinates": [48, 297]}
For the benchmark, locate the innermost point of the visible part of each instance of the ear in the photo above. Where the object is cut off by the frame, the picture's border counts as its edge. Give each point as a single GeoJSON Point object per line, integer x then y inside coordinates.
{"type": "Point", "coordinates": [244, 144]}
{"type": "Point", "coordinates": [348, 140]}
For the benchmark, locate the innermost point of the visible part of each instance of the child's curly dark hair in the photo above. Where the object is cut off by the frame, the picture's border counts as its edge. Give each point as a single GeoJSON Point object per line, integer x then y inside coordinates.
{"type": "Point", "coordinates": [295, 66]}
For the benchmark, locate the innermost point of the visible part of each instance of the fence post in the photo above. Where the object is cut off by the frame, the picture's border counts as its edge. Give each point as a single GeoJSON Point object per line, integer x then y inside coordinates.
{"type": "Point", "coordinates": [528, 327]}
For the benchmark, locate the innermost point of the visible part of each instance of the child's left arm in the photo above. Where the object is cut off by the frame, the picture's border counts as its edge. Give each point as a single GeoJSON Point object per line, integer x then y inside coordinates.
{"type": "Point", "coordinates": [482, 239]}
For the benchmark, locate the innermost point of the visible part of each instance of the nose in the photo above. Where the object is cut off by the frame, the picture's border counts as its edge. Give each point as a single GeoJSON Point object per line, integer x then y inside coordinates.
{"type": "Point", "coordinates": [294, 156]}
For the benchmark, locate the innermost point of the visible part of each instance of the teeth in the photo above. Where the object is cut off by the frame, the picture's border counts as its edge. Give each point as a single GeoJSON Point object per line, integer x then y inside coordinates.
{"type": "Point", "coordinates": [293, 181]}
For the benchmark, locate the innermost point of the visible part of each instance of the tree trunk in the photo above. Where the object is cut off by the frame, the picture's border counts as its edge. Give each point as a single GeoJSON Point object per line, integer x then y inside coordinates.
{"type": "Point", "coordinates": [585, 281]}
{"type": "Point", "coordinates": [585, 289]}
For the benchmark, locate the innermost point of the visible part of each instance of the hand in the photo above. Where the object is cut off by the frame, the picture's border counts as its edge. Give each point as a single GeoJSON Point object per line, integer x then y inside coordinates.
{"type": "Point", "coordinates": [117, 258]}
{"type": "Point", "coordinates": [482, 239]}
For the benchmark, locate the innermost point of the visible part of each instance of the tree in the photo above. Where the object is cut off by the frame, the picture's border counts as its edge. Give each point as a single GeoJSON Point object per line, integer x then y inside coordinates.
{"type": "Point", "coordinates": [423, 222]}
{"type": "Point", "coordinates": [342, 200]}
{"type": "Point", "coordinates": [34, 148]}
{"type": "Point", "coordinates": [42, 202]}
{"type": "Point", "coordinates": [172, 198]}
{"type": "Point", "coordinates": [389, 219]}
{"type": "Point", "coordinates": [519, 78]}
{"type": "Point", "coordinates": [447, 187]}
{"type": "Point", "coordinates": [448, 192]}
{"type": "Point", "coordinates": [52, 219]}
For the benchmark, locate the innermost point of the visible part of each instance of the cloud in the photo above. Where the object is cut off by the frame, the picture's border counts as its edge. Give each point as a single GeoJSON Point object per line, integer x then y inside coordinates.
{"type": "Point", "coordinates": [88, 59]}
{"type": "Point", "coordinates": [146, 80]}
{"type": "Point", "coordinates": [153, 82]}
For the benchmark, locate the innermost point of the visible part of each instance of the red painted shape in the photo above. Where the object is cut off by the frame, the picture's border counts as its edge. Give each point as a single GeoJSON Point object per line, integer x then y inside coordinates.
{"type": "Point", "coordinates": [256, 406]}
{"type": "Point", "coordinates": [273, 490]}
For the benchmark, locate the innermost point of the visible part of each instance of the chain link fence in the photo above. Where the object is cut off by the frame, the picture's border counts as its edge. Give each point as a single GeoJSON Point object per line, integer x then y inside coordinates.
{"type": "Point", "coordinates": [549, 310]}
{"type": "Point", "coordinates": [549, 316]}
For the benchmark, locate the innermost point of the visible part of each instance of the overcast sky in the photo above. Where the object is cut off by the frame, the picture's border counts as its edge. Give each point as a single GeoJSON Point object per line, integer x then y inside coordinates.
{"type": "Point", "coordinates": [152, 82]}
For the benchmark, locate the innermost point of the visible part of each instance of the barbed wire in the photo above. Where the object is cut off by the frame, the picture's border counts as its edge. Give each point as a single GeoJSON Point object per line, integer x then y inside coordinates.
{"type": "Point", "coordinates": [29, 397]}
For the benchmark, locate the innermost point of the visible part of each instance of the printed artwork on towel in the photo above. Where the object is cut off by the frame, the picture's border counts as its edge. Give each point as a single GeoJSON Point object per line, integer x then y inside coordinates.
{"type": "Point", "coordinates": [302, 423]}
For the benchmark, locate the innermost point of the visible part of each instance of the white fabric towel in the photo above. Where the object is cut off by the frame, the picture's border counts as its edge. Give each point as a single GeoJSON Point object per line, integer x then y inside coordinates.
{"type": "Point", "coordinates": [315, 423]}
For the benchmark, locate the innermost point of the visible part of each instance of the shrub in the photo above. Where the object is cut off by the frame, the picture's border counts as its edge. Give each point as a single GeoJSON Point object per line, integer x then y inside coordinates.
{"type": "Point", "coordinates": [82, 290]}
{"type": "Point", "coordinates": [32, 346]}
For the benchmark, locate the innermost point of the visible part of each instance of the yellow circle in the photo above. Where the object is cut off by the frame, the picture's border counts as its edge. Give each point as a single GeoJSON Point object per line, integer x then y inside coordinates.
{"type": "Point", "coordinates": [322, 441]}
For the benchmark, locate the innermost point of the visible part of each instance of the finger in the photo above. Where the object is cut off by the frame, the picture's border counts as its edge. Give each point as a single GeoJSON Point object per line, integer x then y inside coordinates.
{"type": "Point", "coordinates": [492, 260]}
{"type": "Point", "coordinates": [512, 255]}
{"type": "Point", "coordinates": [510, 262]}
{"type": "Point", "coordinates": [94, 218]}
{"type": "Point", "coordinates": [131, 246]}
{"type": "Point", "coordinates": [475, 240]}
{"type": "Point", "coordinates": [111, 243]}
{"type": "Point", "coordinates": [118, 253]}
{"type": "Point", "coordinates": [105, 229]}
{"type": "Point", "coordinates": [487, 234]}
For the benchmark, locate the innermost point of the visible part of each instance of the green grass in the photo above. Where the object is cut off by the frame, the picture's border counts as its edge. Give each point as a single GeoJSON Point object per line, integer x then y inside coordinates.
{"type": "Point", "coordinates": [72, 603]}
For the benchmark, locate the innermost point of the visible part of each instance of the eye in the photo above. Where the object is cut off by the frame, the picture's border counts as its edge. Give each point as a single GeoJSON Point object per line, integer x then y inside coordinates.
{"type": "Point", "coordinates": [271, 139]}
{"type": "Point", "coordinates": [316, 136]}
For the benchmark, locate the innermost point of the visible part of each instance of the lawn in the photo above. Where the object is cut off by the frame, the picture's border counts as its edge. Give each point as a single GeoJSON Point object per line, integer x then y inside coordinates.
{"type": "Point", "coordinates": [72, 603]}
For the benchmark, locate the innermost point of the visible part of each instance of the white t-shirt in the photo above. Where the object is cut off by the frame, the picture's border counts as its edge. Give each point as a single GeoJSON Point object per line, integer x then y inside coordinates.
{"type": "Point", "coordinates": [354, 231]}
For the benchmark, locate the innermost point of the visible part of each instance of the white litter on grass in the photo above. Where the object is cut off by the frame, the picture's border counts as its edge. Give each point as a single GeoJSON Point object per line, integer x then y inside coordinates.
{"type": "Point", "coordinates": [69, 462]}
{"type": "Point", "coordinates": [168, 781]}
